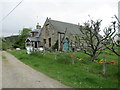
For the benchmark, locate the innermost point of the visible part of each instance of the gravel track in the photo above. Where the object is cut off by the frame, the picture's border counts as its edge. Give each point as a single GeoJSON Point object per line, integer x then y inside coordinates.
{"type": "Point", "coordinates": [16, 74]}
{"type": "Point", "coordinates": [0, 70]}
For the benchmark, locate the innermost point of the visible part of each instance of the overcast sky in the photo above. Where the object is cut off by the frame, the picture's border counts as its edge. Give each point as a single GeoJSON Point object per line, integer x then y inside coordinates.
{"type": "Point", "coordinates": [30, 12]}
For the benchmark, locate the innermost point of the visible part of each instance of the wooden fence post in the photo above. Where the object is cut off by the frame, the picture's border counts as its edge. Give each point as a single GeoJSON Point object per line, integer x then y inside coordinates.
{"type": "Point", "coordinates": [73, 60]}
{"type": "Point", "coordinates": [55, 54]}
{"type": "Point", "coordinates": [104, 66]}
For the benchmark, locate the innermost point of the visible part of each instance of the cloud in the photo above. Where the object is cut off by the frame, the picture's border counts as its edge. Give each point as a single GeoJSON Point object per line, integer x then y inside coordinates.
{"type": "Point", "coordinates": [72, 11]}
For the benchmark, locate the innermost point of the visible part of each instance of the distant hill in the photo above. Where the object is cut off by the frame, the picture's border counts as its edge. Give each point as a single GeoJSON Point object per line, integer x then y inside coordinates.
{"type": "Point", "coordinates": [8, 42]}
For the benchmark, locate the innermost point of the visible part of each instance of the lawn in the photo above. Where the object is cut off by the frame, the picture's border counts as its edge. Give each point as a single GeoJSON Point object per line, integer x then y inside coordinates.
{"type": "Point", "coordinates": [81, 74]}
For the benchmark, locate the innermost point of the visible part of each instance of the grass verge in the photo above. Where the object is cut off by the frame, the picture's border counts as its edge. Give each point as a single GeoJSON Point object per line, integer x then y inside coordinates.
{"type": "Point", "coordinates": [81, 74]}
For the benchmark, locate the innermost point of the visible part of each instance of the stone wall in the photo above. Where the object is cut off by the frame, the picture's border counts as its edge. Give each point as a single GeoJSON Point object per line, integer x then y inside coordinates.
{"type": "Point", "coordinates": [49, 31]}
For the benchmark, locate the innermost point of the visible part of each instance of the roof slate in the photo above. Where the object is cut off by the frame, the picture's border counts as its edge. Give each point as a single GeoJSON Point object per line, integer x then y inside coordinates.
{"type": "Point", "coordinates": [33, 39]}
{"type": "Point", "coordinates": [63, 26]}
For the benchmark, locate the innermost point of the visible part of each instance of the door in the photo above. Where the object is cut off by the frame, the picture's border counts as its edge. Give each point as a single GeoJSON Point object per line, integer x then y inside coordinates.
{"type": "Point", "coordinates": [35, 44]}
{"type": "Point", "coordinates": [66, 44]}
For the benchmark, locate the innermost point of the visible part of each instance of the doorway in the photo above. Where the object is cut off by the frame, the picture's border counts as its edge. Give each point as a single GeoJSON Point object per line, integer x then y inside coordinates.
{"type": "Point", "coordinates": [66, 44]}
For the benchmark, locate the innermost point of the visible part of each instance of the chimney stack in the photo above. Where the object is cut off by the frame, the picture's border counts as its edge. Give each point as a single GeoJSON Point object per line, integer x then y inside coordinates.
{"type": "Point", "coordinates": [38, 26]}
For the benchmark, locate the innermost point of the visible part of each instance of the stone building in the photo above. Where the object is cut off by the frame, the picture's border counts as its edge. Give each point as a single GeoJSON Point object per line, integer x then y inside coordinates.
{"type": "Point", "coordinates": [59, 35]}
{"type": "Point", "coordinates": [33, 41]}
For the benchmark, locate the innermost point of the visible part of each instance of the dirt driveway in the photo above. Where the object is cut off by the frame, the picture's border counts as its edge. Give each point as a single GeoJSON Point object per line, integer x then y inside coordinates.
{"type": "Point", "coordinates": [16, 74]}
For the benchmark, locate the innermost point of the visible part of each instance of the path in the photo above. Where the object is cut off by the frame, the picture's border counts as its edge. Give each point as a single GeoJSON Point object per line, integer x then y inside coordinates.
{"type": "Point", "coordinates": [16, 74]}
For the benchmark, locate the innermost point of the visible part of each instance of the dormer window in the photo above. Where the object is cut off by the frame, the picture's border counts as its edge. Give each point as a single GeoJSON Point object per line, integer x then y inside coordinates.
{"type": "Point", "coordinates": [32, 34]}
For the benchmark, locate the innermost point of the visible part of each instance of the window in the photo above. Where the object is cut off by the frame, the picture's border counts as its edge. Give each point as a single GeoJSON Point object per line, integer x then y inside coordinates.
{"type": "Point", "coordinates": [47, 29]}
{"type": "Point", "coordinates": [49, 42]}
{"type": "Point", "coordinates": [44, 40]}
{"type": "Point", "coordinates": [33, 34]}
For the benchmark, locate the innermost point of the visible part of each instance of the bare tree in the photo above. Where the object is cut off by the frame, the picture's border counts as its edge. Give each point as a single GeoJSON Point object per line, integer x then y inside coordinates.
{"type": "Point", "coordinates": [91, 40]}
{"type": "Point", "coordinates": [93, 43]}
{"type": "Point", "coordinates": [112, 41]}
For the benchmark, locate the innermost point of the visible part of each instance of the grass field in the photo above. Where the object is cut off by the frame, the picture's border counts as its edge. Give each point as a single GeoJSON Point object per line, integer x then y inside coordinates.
{"type": "Point", "coordinates": [81, 74]}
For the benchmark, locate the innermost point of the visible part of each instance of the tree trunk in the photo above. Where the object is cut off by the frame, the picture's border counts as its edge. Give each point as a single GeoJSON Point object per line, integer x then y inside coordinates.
{"type": "Point", "coordinates": [61, 47]}
{"type": "Point", "coordinates": [93, 58]}
{"type": "Point", "coordinates": [55, 54]}
{"type": "Point", "coordinates": [104, 66]}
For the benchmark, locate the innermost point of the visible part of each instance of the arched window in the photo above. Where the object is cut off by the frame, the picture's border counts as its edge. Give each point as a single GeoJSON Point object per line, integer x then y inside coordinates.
{"type": "Point", "coordinates": [47, 29]}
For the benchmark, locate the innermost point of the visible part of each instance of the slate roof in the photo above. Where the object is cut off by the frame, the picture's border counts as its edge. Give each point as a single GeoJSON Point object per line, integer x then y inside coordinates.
{"type": "Point", "coordinates": [33, 39]}
{"type": "Point", "coordinates": [62, 26]}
